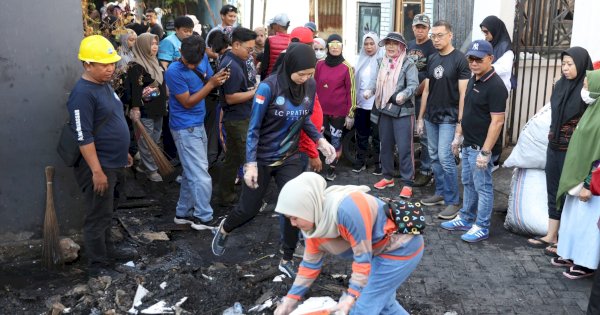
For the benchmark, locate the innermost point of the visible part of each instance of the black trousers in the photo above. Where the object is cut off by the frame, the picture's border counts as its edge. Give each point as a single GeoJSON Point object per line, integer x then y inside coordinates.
{"type": "Point", "coordinates": [251, 201]}
{"type": "Point", "coordinates": [211, 123]}
{"type": "Point", "coordinates": [167, 140]}
{"type": "Point", "coordinates": [98, 212]}
{"type": "Point", "coordinates": [555, 160]}
{"type": "Point", "coordinates": [362, 123]}
{"type": "Point", "coordinates": [594, 303]}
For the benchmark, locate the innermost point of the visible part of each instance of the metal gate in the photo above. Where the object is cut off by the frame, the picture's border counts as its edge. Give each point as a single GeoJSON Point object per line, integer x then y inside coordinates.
{"type": "Point", "coordinates": [542, 32]}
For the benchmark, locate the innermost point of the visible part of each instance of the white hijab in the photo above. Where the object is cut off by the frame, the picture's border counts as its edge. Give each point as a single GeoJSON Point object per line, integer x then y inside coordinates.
{"type": "Point", "coordinates": [364, 60]}
{"type": "Point", "coordinates": [307, 197]}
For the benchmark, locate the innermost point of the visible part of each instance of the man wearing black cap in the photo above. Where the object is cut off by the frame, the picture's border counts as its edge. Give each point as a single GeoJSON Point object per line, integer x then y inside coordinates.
{"type": "Point", "coordinates": [483, 117]}
{"type": "Point", "coordinates": [419, 50]}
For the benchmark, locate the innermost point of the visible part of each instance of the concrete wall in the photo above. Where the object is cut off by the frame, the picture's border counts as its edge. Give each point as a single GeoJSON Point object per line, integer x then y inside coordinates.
{"type": "Point", "coordinates": [38, 67]}
{"type": "Point", "coordinates": [503, 9]}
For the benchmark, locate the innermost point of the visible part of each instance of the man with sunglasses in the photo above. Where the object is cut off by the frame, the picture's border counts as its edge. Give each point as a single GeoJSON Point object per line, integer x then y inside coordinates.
{"type": "Point", "coordinates": [483, 117]}
{"type": "Point", "coordinates": [236, 100]}
{"type": "Point", "coordinates": [441, 112]}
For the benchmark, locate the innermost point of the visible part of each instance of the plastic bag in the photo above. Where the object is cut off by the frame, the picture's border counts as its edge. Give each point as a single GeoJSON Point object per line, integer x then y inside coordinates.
{"type": "Point", "coordinates": [530, 151]}
{"type": "Point", "coordinates": [527, 203]}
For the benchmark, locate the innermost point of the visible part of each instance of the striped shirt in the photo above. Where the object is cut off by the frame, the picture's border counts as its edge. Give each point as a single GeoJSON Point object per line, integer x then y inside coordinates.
{"type": "Point", "coordinates": [365, 232]}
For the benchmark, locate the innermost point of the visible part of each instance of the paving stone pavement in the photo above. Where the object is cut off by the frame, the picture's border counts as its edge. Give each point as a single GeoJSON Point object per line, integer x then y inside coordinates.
{"type": "Point", "coordinates": [501, 275]}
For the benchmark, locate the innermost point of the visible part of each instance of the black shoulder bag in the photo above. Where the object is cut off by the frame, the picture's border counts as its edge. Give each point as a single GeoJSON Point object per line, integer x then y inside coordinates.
{"type": "Point", "coordinates": [68, 147]}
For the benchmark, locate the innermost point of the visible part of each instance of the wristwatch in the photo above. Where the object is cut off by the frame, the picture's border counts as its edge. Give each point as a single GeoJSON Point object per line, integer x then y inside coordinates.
{"type": "Point", "coordinates": [485, 153]}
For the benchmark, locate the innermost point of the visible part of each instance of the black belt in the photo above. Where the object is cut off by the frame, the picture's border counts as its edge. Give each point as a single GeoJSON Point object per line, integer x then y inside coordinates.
{"type": "Point", "coordinates": [475, 147]}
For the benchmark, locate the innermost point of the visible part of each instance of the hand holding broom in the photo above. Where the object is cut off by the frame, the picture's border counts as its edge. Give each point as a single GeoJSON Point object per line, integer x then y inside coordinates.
{"type": "Point", "coordinates": [164, 166]}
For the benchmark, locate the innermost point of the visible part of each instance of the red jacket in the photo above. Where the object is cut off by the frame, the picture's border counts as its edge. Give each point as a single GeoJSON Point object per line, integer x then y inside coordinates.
{"type": "Point", "coordinates": [307, 145]}
{"type": "Point", "coordinates": [277, 43]}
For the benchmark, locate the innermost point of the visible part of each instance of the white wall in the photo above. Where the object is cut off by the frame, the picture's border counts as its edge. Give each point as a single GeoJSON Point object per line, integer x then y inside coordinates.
{"type": "Point", "coordinates": [585, 27]}
{"type": "Point", "coordinates": [503, 9]}
{"type": "Point", "coordinates": [297, 11]}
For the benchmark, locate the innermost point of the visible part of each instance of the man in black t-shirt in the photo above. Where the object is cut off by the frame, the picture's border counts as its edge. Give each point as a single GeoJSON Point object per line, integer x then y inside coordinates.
{"type": "Point", "coordinates": [153, 26]}
{"type": "Point", "coordinates": [419, 50]}
{"type": "Point", "coordinates": [236, 99]}
{"type": "Point", "coordinates": [441, 112]}
{"type": "Point", "coordinates": [483, 117]}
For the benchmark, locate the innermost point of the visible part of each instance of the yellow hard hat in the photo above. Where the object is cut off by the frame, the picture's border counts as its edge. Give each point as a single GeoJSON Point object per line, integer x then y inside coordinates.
{"type": "Point", "coordinates": [98, 49]}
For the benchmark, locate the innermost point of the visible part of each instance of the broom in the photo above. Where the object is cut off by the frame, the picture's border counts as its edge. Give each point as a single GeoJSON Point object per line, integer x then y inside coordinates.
{"type": "Point", "coordinates": [51, 252]}
{"type": "Point", "coordinates": [164, 166]}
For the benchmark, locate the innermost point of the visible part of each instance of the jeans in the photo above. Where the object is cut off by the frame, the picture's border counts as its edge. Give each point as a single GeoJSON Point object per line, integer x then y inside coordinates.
{"type": "Point", "coordinates": [98, 212]}
{"type": "Point", "coordinates": [237, 131]}
{"type": "Point", "coordinates": [251, 200]}
{"type": "Point", "coordinates": [439, 143]}
{"type": "Point", "coordinates": [478, 192]}
{"type": "Point", "coordinates": [397, 132]}
{"type": "Point", "coordinates": [424, 156]}
{"type": "Point", "coordinates": [387, 275]}
{"type": "Point", "coordinates": [196, 185]}
{"type": "Point", "coordinates": [153, 127]}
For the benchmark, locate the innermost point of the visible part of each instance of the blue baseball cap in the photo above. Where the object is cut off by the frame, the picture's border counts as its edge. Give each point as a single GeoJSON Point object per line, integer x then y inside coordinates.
{"type": "Point", "coordinates": [480, 48]}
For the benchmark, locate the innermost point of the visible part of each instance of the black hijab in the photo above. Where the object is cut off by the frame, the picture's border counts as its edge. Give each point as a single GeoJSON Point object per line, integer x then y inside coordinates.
{"type": "Point", "coordinates": [298, 57]}
{"type": "Point", "coordinates": [566, 100]}
{"type": "Point", "coordinates": [500, 38]}
{"type": "Point", "coordinates": [330, 60]}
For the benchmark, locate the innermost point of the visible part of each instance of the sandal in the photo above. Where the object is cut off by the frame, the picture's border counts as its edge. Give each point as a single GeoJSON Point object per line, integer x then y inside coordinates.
{"type": "Point", "coordinates": [578, 272]}
{"type": "Point", "coordinates": [561, 262]}
{"type": "Point", "coordinates": [538, 242]}
{"type": "Point", "coordinates": [551, 251]}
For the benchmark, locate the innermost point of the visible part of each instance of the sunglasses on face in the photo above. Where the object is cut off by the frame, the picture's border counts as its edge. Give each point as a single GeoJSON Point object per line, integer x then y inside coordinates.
{"type": "Point", "coordinates": [474, 59]}
{"type": "Point", "coordinates": [334, 45]}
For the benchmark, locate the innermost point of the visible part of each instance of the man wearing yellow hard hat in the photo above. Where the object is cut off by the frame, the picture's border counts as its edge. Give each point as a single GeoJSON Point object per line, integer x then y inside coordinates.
{"type": "Point", "coordinates": [98, 123]}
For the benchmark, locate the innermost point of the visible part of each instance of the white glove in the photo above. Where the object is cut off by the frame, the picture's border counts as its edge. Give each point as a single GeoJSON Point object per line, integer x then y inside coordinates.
{"type": "Point", "coordinates": [483, 160]}
{"type": "Point", "coordinates": [367, 94]}
{"type": "Point", "coordinates": [420, 127]}
{"type": "Point", "coordinates": [399, 98]}
{"type": "Point", "coordinates": [344, 305]}
{"type": "Point", "coordinates": [328, 150]}
{"type": "Point", "coordinates": [456, 143]}
{"type": "Point", "coordinates": [286, 306]}
{"type": "Point", "coordinates": [134, 113]}
{"type": "Point", "coordinates": [251, 175]}
{"type": "Point", "coordinates": [349, 122]}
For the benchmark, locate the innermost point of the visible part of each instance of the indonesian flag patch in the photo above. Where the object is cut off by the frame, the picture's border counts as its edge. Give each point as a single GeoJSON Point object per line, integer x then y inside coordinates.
{"type": "Point", "coordinates": [260, 99]}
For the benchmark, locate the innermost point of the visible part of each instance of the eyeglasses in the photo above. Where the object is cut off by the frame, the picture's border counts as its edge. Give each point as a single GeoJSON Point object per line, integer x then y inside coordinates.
{"type": "Point", "coordinates": [334, 45]}
{"type": "Point", "coordinates": [438, 35]}
{"type": "Point", "coordinates": [473, 59]}
{"type": "Point", "coordinates": [248, 49]}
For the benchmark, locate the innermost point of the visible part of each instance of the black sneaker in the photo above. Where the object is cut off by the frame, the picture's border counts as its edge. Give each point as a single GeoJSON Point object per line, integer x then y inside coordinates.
{"type": "Point", "coordinates": [378, 170]}
{"type": "Point", "coordinates": [359, 168]}
{"type": "Point", "coordinates": [200, 225]}
{"type": "Point", "coordinates": [421, 180]}
{"type": "Point", "coordinates": [330, 174]}
{"type": "Point", "coordinates": [219, 240]}
{"type": "Point", "coordinates": [288, 268]}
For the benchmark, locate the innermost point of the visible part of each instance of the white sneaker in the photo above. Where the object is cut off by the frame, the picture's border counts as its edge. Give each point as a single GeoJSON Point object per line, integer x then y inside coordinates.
{"type": "Point", "coordinates": [154, 177]}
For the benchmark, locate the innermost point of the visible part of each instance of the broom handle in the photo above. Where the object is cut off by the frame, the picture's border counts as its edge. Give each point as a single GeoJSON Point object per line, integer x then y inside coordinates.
{"type": "Point", "coordinates": [49, 179]}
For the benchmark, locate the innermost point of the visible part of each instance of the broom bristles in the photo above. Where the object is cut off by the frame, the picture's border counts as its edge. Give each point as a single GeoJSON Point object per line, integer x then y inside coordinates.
{"type": "Point", "coordinates": [51, 251]}
{"type": "Point", "coordinates": [164, 166]}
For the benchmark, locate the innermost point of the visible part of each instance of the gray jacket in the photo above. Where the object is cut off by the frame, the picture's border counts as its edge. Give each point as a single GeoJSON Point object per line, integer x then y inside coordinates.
{"type": "Point", "coordinates": [408, 81]}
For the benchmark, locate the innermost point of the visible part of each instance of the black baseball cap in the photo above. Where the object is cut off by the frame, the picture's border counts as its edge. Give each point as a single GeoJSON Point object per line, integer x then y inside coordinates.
{"type": "Point", "coordinates": [395, 36]}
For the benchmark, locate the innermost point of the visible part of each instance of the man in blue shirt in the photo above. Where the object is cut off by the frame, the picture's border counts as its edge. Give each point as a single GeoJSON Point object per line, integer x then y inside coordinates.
{"type": "Point", "coordinates": [189, 81]}
{"type": "Point", "coordinates": [236, 102]}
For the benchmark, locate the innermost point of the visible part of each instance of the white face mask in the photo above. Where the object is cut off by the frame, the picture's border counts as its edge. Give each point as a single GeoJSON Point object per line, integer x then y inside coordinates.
{"type": "Point", "coordinates": [585, 96]}
{"type": "Point", "coordinates": [320, 54]}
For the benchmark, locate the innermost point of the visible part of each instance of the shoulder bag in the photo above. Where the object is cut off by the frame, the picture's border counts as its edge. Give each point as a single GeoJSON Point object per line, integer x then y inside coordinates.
{"type": "Point", "coordinates": [408, 216]}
